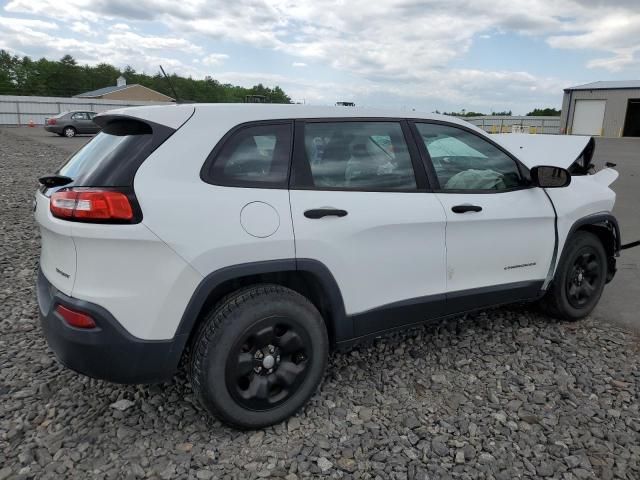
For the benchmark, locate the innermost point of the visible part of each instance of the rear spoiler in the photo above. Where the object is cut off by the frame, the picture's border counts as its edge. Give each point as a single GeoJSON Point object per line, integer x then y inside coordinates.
{"type": "Point", "coordinates": [172, 116]}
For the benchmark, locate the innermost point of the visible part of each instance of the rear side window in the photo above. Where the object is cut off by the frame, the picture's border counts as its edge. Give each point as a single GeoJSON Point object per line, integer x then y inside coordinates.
{"type": "Point", "coordinates": [254, 156]}
{"type": "Point", "coordinates": [350, 155]}
{"type": "Point", "coordinates": [80, 116]}
{"type": "Point", "coordinates": [112, 157]}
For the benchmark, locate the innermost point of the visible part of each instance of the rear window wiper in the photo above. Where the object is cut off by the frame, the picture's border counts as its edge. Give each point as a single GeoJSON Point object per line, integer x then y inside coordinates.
{"type": "Point", "coordinates": [56, 180]}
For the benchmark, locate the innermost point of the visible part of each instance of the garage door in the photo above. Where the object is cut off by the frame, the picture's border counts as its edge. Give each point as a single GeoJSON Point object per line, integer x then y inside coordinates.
{"type": "Point", "coordinates": [588, 116]}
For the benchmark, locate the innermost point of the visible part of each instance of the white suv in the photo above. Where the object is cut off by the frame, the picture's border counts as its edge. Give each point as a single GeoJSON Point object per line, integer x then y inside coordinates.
{"type": "Point", "coordinates": [252, 238]}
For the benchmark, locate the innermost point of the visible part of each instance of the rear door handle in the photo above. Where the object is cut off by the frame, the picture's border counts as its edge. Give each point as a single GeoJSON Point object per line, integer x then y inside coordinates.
{"type": "Point", "coordinates": [325, 212]}
{"type": "Point", "coordinates": [466, 208]}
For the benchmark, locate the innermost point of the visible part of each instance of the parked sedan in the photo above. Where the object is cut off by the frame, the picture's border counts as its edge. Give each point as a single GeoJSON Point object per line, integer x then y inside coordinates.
{"type": "Point", "coordinates": [69, 124]}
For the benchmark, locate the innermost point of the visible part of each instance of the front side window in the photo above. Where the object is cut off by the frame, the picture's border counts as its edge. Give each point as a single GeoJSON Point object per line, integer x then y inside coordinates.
{"type": "Point", "coordinates": [464, 161]}
{"type": "Point", "coordinates": [356, 155]}
{"type": "Point", "coordinates": [255, 156]}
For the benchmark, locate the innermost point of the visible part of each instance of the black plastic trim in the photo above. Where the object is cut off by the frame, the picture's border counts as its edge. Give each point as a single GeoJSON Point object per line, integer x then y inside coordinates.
{"type": "Point", "coordinates": [422, 309]}
{"type": "Point", "coordinates": [475, 298]}
{"type": "Point", "coordinates": [341, 326]}
{"type": "Point", "coordinates": [600, 219]}
{"type": "Point", "coordinates": [608, 221]}
{"type": "Point", "coordinates": [399, 314]}
{"type": "Point", "coordinates": [107, 352]}
{"type": "Point", "coordinates": [111, 353]}
{"type": "Point", "coordinates": [556, 243]}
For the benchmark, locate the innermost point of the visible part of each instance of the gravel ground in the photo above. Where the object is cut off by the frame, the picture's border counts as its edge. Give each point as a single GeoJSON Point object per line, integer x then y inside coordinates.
{"type": "Point", "coordinates": [502, 394]}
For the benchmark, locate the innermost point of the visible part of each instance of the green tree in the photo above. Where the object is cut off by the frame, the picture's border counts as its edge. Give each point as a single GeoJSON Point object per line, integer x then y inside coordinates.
{"type": "Point", "coordinates": [65, 78]}
{"type": "Point", "coordinates": [544, 112]}
{"type": "Point", "coordinates": [464, 113]}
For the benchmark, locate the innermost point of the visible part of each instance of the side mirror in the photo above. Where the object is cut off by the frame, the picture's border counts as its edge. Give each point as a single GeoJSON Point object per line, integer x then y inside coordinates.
{"type": "Point", "coordinates": [550, 177]}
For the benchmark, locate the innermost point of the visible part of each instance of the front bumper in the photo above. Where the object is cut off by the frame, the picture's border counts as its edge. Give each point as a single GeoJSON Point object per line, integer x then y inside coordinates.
{"type": "Point", "coordinates": [107, 352]}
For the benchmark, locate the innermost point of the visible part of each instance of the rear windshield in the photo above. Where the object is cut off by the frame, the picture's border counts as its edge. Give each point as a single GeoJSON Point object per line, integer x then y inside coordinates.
{"type": "Point", "coordinates": [112, 157]}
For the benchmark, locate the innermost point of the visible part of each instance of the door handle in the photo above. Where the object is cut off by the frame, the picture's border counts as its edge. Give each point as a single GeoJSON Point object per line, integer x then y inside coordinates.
{"type": "Point", "coordinates": [325, 212]}
{"type": "Point", "coordinates": [466, 208]}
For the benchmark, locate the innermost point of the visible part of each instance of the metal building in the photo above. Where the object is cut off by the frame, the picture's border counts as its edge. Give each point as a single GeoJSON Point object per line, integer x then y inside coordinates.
{"type": "Point", "coordinates": [608, 109]}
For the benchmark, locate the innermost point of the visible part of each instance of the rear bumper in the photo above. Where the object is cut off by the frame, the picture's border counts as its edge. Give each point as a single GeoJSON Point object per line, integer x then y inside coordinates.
{"type": "Point", "coordinates": [53, 128]}
{"type": "Point", "coordinates": [107, 352]}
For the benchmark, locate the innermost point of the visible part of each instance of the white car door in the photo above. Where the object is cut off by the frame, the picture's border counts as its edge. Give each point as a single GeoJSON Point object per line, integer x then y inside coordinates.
{"type": "Point", "coordinates": [500, 230]}
{"type": "Point", "coordinates": [359, 205]}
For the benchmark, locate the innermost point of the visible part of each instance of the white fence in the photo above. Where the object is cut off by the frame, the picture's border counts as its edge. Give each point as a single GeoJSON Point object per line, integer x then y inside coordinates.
{"type": "Point", "coordinates": [504, 124]}
{"type": "Point", "coordinates": [21, 110]}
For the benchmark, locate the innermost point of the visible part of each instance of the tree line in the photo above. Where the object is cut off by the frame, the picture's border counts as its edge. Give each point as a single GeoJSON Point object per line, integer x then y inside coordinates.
{"type": "Point", "coordinates": [536, 112]}
{"type": "Point", "coordinates": [65, 78]}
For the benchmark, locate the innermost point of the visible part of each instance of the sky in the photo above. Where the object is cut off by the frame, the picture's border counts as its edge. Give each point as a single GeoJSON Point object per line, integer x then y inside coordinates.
{"type": "Point", "coordinates": [411, 54]}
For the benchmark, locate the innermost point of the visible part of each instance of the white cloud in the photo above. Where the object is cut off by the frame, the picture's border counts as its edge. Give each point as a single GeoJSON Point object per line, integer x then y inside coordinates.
{"type": "Point", "coordinates": [70, 10]}
{"type": "Point", "coordinates": [621, 59]}
{"type": "Point", "coordinates": [23, 24]}
{"type": "Point", "coordinates": [214, 59]}
{"type": "Point", "coordinates": [120, 26]}
{"type": "Point", "coordinates": [118, 47]}
{"type": "Point", "coordinates": [83, 28]}
{"type": "Point", "coordinates": [401, 48]}
{"type": "Point", "coordinates": [615, 32]}
{"type": "Point", "coordinates": [385, 38]}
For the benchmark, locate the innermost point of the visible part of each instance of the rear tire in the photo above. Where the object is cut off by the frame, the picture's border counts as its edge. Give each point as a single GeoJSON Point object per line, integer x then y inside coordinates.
{"type": "Point", "coordinates": [579, 280]}
{"type": "Point", "coordinates": [259, 356]}
{"type": "Point", "coordinates": [69, 132]}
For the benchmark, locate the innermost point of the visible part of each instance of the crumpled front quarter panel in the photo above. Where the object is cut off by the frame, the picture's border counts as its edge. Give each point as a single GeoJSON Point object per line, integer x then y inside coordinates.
{"type": "Point", "coordinates": [586, 195]}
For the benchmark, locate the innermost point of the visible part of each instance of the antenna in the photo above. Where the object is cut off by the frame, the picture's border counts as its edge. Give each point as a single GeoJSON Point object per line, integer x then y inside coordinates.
{"type": "Point", "coordinates": [170, 84]}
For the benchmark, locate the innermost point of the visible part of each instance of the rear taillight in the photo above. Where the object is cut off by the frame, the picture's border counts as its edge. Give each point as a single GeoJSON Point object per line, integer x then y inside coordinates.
{"type": "Point", "coordinates": [51, 121]}
{"type": "Point", "coordinates": [92, 205]}
{"type": "Point", "coordinates": [74, 318]}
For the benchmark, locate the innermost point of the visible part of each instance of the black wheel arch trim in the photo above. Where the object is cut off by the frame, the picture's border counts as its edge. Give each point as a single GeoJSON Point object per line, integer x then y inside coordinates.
{"type": "Point", "coordinates": [602, 220]}
{"type": "Point", "coordinates": [340, 324]}
{"type": "Point", "coordinates": [606, 220]}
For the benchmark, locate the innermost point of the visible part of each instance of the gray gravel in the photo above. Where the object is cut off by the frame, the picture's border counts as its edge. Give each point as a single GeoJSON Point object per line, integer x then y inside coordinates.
{"type": "Point", "coordinates": [501, 394]}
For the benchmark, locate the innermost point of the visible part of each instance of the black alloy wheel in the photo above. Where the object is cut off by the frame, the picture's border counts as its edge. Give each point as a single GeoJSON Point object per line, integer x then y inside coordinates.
{"type": "Point", "coordinates": [579, 278]}
{"type": "Point", "coordinates": [259, 356]}
{"type": "Point", "coordinates": [268, 364]}
{"type": "Point", "coordinates": [584, 277]}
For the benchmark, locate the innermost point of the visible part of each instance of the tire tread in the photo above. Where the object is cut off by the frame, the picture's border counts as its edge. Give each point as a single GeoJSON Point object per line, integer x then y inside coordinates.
{"type": "Point", "coordinates": [215, 320]}
{"type": "Point", "coordinates": [551, 303]}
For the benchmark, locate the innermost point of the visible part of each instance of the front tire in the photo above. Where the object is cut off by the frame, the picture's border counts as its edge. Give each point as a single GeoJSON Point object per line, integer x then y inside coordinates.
{"type": "Point", "coordinates": [69, 132]}
{"type": "Point", "coordinates": [579, 280]}
{"type": "Point", "coordinates": [259, 356]}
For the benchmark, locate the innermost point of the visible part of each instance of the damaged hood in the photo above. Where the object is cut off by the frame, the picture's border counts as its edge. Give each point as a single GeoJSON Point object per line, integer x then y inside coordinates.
{"type": "Point", "coordinates": [555, 150]}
